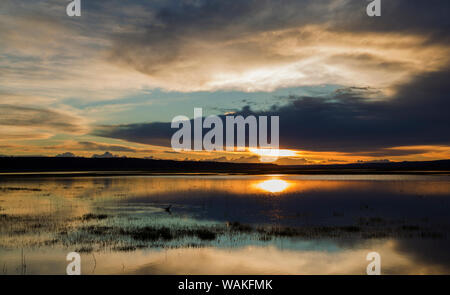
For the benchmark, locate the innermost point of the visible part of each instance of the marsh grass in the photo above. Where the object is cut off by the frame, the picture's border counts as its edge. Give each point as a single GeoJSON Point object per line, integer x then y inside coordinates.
{"type": "Point", "coordinates": [129, 231]}
{"type": "Point", "coordinates": [91, 216]}
{"type": "Point", "coordinates": [100, 232]}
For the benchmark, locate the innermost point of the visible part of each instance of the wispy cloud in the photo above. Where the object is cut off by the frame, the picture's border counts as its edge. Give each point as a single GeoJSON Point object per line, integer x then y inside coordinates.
{"type": "Point", "coordinates": [20, 122]}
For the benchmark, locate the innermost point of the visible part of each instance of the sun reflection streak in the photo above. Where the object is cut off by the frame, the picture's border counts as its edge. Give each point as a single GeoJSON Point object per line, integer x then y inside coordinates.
{"type": "Point", "coordinates": [273, 185]}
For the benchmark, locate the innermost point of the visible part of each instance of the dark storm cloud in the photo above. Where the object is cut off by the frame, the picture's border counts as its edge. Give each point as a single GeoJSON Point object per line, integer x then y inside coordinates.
{"type": "Point", "coordinates": [177, 22]}
{"type": "Point", "coordinates": [214, 44]}
{"type": "Point", "coordinates": [352, 123]}
{"type": "Point", "coordinates": [429, 18]}
{"type": "Point", "coordinates": [147, 133]}
{"type": "Point", "coordinates": [346, 122]}
{"type": "Point", "coordinates": [207, 18]}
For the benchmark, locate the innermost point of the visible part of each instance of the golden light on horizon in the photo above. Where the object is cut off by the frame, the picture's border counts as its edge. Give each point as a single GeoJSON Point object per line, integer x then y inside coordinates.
{"type": "Point", "coordinates": [274, 152]}
{"type": "Point", "coordinates": [273, 185]}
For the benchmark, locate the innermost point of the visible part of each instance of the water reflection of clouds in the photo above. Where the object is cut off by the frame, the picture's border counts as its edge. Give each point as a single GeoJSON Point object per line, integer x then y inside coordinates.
{"type": "Point", "coordinates": [246, 260]}
{"type": "Point", "coordinates": [300, 201]}
{"type": "Point", "coordinates": [271, 260]}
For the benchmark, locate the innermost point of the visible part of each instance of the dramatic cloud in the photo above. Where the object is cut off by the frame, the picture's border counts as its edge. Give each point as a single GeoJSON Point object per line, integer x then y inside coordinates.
{"type": "Point", "coordinates": [117, 48]}
{"type": "Point", "coordinates": [121, 61]}
{"type": "Point", "coordinates": [347, 122]}
{"type": "Point", "coordinates": [263, 45]}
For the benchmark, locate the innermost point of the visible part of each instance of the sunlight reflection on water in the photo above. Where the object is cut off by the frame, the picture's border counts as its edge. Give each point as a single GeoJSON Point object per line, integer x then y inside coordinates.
{"type": "Point", "coordinates": [227, 224]}
{"type": "Point", "coordinates": [273, 185]}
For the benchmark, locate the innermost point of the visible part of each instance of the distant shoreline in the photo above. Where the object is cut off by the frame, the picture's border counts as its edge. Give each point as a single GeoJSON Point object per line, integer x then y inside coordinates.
{"type": "Point", "coordinates": [72, 167]}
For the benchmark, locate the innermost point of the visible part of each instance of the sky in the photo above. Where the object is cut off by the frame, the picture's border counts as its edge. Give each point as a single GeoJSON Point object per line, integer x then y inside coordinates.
{"type": "Point", "coordinates": [347, 87]}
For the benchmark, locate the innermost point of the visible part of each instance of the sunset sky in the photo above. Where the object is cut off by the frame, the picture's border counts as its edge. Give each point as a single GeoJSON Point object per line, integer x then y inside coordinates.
{"type": "Point", "coordinates": [347, 87]}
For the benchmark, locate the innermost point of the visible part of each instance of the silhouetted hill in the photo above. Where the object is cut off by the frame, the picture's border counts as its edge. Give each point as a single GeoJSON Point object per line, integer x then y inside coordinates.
{"type": "Point", "coordinates": [75, 164]}
{"type": "Point", "coordinates": [128, 165]}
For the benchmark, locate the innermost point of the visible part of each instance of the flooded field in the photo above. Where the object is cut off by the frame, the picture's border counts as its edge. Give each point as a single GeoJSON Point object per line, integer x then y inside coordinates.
{"type": "Point", "coordinates": [225, 224]}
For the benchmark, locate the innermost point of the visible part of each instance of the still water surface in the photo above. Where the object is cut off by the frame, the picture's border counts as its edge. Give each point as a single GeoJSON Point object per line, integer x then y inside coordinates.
{"type": "Point", "coordinates": [224, 224]}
